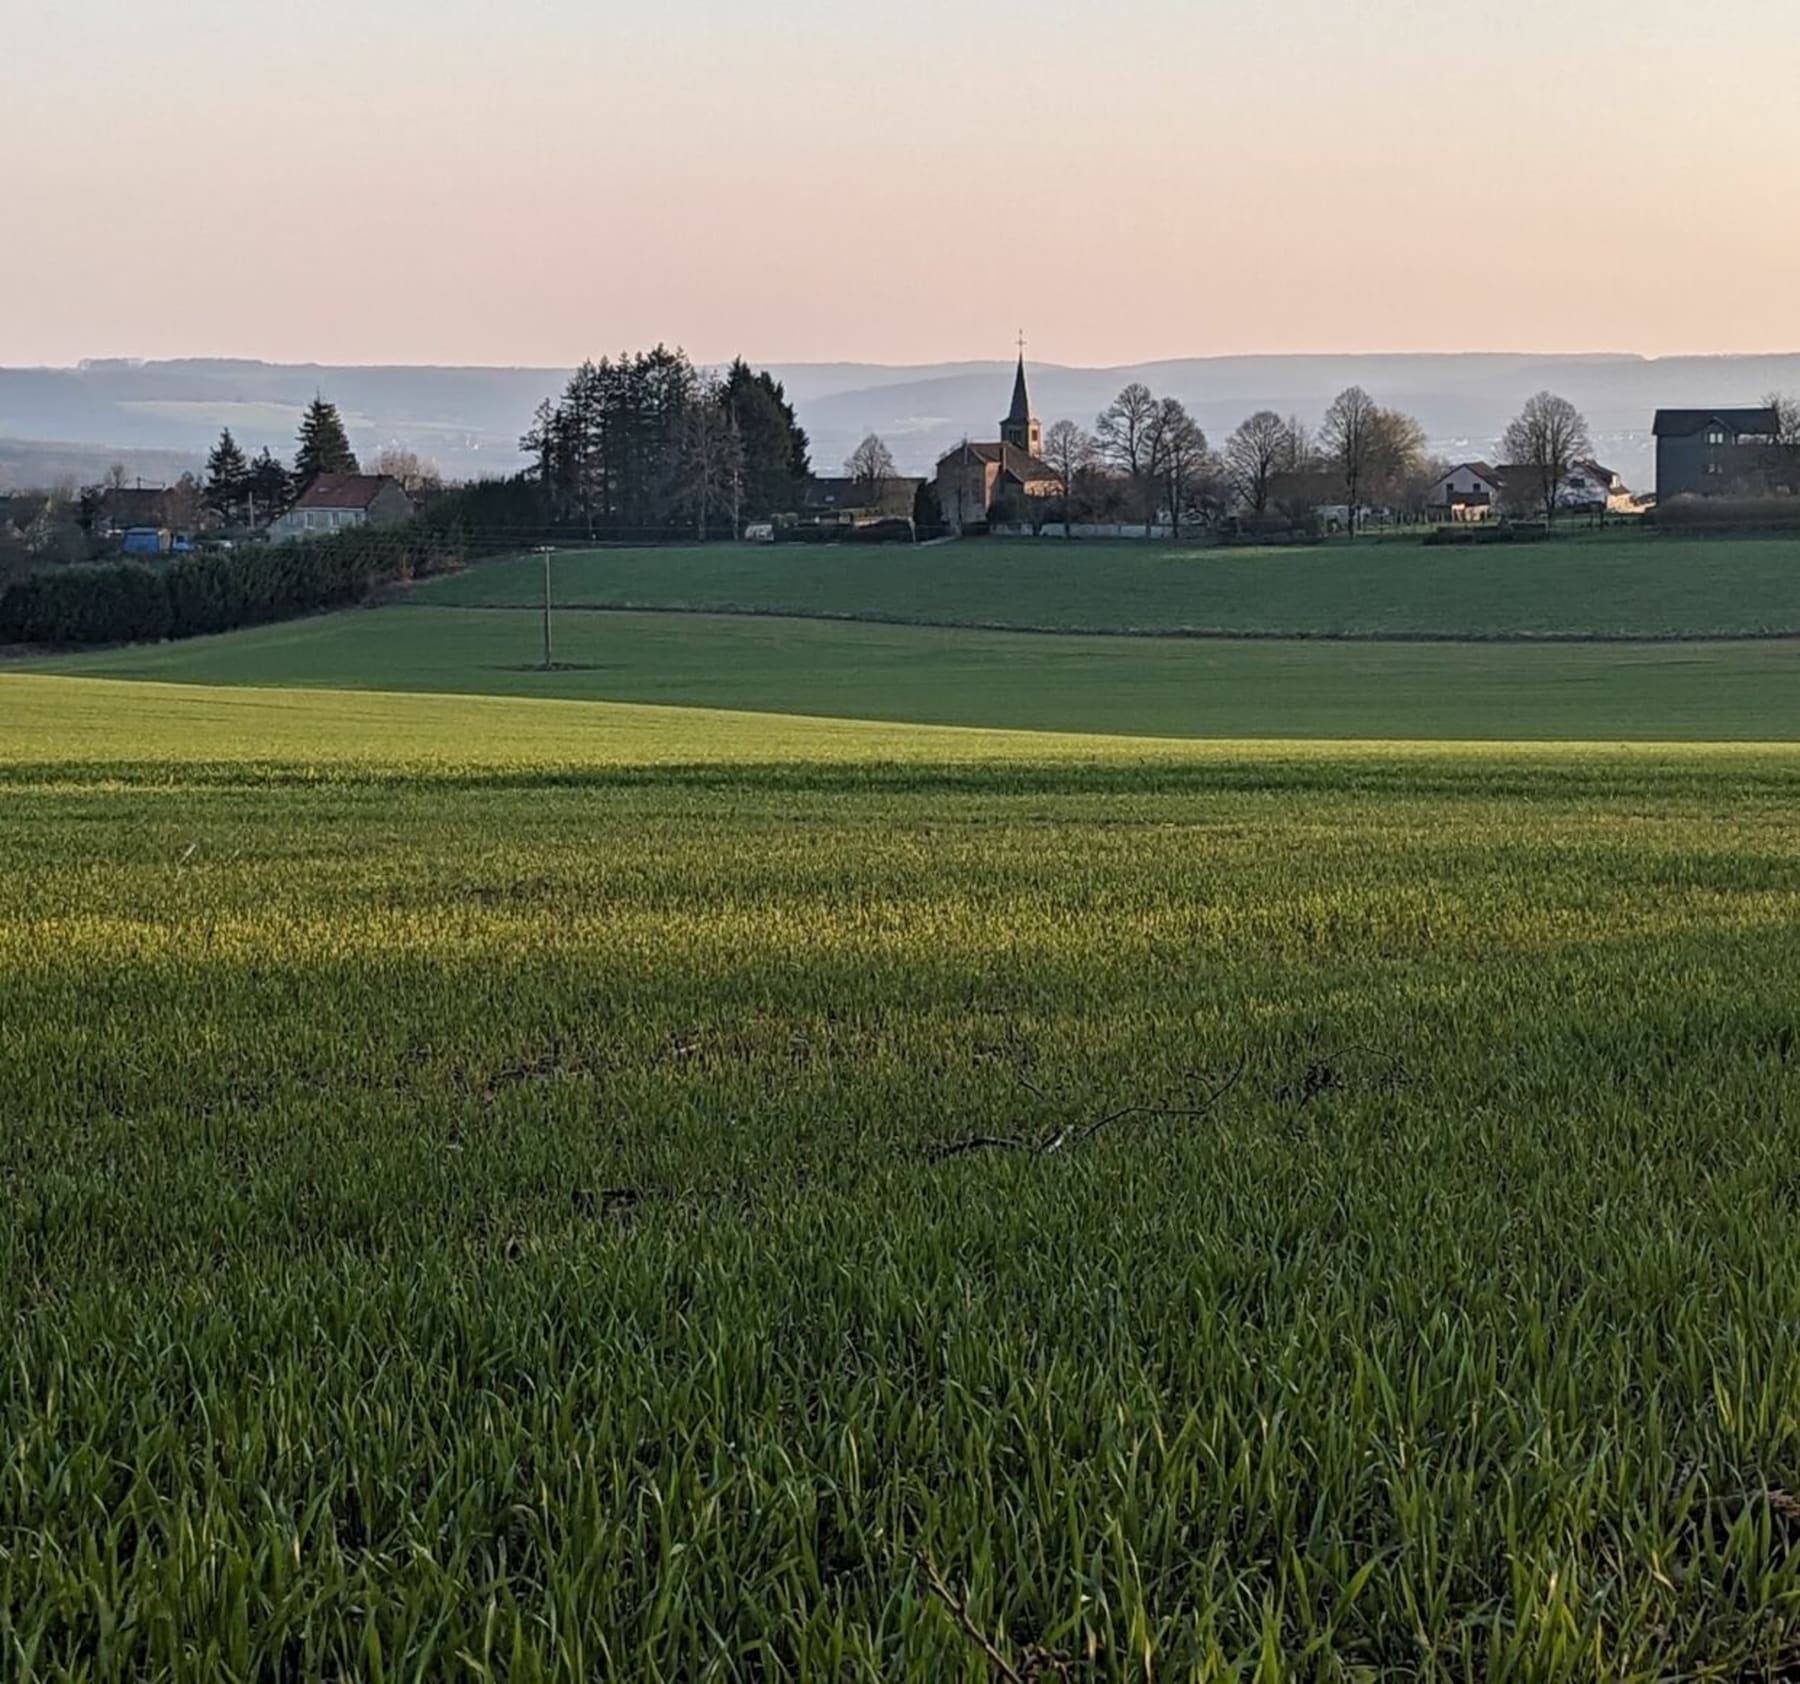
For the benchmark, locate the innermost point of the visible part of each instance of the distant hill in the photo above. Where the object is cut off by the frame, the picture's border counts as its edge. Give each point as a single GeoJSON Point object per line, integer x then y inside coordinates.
{"type": "Point", "coordinates": [468, 420]}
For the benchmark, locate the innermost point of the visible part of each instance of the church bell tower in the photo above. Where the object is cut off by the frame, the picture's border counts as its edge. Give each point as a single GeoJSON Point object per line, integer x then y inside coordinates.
{"type": "Point", "coordinates": [1020, 429]}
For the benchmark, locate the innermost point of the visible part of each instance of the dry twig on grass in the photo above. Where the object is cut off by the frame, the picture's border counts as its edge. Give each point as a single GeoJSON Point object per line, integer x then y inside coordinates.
{"type": "Point", "coordinates": [1070, 1135]}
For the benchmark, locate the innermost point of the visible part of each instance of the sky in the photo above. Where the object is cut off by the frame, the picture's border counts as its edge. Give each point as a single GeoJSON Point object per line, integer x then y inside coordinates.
{"type": "Point", "coordinates": [534, 181]}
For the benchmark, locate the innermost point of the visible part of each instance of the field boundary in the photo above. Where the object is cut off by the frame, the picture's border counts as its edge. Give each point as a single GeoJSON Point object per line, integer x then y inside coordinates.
{"type": "Point", "coordinates": [1208, 634]}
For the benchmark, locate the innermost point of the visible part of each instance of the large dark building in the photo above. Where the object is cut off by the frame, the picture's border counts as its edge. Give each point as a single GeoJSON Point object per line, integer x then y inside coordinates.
{"type": "Point", "coordinates": [1722, 453]}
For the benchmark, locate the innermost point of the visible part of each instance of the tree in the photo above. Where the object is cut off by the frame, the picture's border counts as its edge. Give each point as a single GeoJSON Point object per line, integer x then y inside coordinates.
{"type": "Point", "coordinates": [1787, 417]}
{"type": "Point", "coordinates": [268, 487]}
{"type": "Point", "coordinates": [713, 460]}
{"type": "Point", "coordinates": [1123, 432]}
{"type": "Point", "coordinates": [414, 473]}
{"type": "Point", "coordinates": [871, 466]}
{"type": "Point", "coordinates": [1178, 455]}
{"type": "Point", "coordinates": [777, 452]}
{"type": "Point", "coordinates": [1348, 438]}
{"type": "Point", "coordinates": [227, 476]}
{"type": "Point", "coordinates": [1301, 452]}
{"type": "Point", "coordinates": [1396, 456]}
{"type": "Point", "coordinates": [1068, 452]}
{"type": "Point", "coordinates": [1254, 455]}
{"type": "Point", "coordinates": [1547, 438]}
{"type": "Point", "coordinates": [324, 445]}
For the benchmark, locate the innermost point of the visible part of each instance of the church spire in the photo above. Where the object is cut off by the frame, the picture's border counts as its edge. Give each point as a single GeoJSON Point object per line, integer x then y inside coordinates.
{"type": "Point", "coordinates": [1020, 428]}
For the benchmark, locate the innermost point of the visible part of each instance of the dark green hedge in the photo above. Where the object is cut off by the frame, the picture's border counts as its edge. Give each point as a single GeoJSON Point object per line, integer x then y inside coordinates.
{"type": "Point", "coordinates": [218, 590]}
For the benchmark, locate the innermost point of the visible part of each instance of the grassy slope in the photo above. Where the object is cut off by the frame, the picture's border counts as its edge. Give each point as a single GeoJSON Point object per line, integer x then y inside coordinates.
{"type": "Point", "coordinates": [1596, 584]}
{"type": "Point", "coordinates": [467, 1197]}
{"type": "Point", "coordinates": [1159, 687]}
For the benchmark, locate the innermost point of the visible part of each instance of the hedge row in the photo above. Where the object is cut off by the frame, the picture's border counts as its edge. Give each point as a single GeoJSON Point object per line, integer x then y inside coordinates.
{"type": "Point", "coordinates": [1727, 514]}
{"type": "Point", "coordinates": [217, 590]}
{"type": "Point", "coordinates": [1472, 534]}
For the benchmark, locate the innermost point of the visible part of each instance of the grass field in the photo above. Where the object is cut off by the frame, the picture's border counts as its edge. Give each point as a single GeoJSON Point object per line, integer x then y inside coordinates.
{"type": "Point", "coordinates": [1597, 584]}
{"type": "Point", "coordinates": [1145, 686]}
{"type": "Point", "coordinates": [477, 1202]}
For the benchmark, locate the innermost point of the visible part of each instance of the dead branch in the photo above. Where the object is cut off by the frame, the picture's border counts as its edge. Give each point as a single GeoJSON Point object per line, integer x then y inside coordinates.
{"type": "Point", "coordinates": [1069, 1135]}
{"type": "Point", "coordinates": [1003, 1668]}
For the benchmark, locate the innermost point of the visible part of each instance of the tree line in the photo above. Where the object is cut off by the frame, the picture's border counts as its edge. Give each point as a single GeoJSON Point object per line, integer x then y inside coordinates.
{"type": "Point", "coordinates": [647, 444]}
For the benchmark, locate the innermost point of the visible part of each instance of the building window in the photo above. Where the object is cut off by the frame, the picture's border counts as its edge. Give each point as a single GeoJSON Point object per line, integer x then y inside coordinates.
{"type": "Point", "coordinates": [1715, 437]}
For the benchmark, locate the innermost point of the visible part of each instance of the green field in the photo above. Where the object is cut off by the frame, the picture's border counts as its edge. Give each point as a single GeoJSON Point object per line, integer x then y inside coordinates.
{"type": "Point", "coordinates": [477, 1202]}
{"type": "Point", "coordinates": [1596, 585]}
{"type": "Point", "coordinates": [724, 1160]}
{"type": "Point", "coordinates": [1137, 686]}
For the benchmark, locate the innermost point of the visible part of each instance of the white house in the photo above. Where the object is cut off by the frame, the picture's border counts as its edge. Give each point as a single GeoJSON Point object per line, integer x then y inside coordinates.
{"type": "Point", "coordinates": [1472, 491]}
{"type": "Point", "coordinates": [334, 501]}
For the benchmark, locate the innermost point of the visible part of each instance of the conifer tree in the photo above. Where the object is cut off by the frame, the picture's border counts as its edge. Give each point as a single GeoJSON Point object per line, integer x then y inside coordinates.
{"type": "Point", "coordinates": [324, 445]}
{"type": "Point", "coordinates": [227, 476]}
{"type": "Point", "coordinates": [268, 485]}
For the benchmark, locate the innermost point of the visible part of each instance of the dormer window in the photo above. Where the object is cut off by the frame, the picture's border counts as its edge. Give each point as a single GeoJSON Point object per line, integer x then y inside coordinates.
{"type": "Point", "coordinates": [1716, 436]}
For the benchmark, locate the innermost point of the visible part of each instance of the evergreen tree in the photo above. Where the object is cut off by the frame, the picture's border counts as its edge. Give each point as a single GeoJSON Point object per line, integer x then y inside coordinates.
{"type": "Point", "coordinates": [268, 486]}
{"type": "Point", "coordinates": [324, 445]}
{"type": "Point", "coordinates": [776, 450]}
{"type": "Point", "coordinates": [227, 476]}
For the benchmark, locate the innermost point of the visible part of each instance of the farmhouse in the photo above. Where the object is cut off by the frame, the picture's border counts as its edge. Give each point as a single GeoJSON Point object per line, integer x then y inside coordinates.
{"type": "Point", "coordinates": [1722, 452]}
{"type": "Point", "coordinates": [854, 502]}
{"type": "Point", "coordinates": [1477, 491]}
{"type": "Point", "coordinates": [333, 501]}
{"type": "Point", "coordinates": [972, 478]}
{"type": "Point", "coordinates": [1472, 491]}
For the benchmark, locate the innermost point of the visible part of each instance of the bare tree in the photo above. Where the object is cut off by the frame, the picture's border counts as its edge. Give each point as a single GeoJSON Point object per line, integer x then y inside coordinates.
{"type": "Point", "coordinates": [1124, 434]}
{"type": "Point", "coordinates": [1254, 454]}
{"type": "Point", "coordinates": [1397, 456]}
{"type": "Point", "coordinates": [414, 473]}
{"type": "Point", "coordinates": [712, 457]}
{"type": "Point", "coordinates": [1348, 437]}
{"type": "Point", "coordinates": [1302, 453]}
{"type": "Point", "coordinates": [871, 466]}
{"type": "Point", "coordinates": [1787, 417]}
{"type": "Point", "coordinates": [1178, 455]}
{"type": "Point", "coordinates": [1547, 438]}
{"type": "Point", "coordinates": [1069, 450]}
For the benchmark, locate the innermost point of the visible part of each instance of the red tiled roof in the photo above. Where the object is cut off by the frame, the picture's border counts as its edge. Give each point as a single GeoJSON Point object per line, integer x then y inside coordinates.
{"type": "Point", "coordinates": [344, 491]}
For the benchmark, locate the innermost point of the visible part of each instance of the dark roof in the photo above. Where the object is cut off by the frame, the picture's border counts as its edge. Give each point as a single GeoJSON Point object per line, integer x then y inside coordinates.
{"type": "Point", "coordinates": [1020, 413]}
{"type": "Point", "coordinates": [1484, 469]}
{"type": "Point", "coordinates": [134, 505]}
{"type": "Point", "coordinates": [1684, 423]}
{"type": "Point", "coordinates": [830, 492]}
{"type": "Point", "coordinates": [345, 491]}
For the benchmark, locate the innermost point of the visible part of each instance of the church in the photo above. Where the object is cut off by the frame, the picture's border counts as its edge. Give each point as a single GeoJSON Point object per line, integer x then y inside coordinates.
{"type": "Point", "coordinates": [972, 478]}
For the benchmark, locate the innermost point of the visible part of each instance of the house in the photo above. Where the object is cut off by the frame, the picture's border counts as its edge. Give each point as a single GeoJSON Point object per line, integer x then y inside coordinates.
{"type": "Point", "coordinates": [334, 501]}
{"type": "Point", "coordinates": [1587, 489]}
{"type": "Point", "coordinates": [972, 478]}
{"type": "Point", "coordinates": [1471, 491]}
{"type": "Point", "coordinates": [1721, 452]}
{"type": "Point", "coordinates": [855, 502]}
{"type": "Point", "coordinates": [121, 508]}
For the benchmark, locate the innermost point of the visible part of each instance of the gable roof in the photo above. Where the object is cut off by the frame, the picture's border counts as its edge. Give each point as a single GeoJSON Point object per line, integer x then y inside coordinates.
{"type": "Point", "coordinates": [1684, 423]}
{"type": "Point", "coordinates": [1481, 470]}
{"type": "Point", "coordinates": [1021, 464]}
{"type": "Point", "coordinates": [345, 491]}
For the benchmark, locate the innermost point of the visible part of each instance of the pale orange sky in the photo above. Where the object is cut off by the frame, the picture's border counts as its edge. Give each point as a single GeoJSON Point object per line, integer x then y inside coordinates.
{"type": "Point", "coordinates": [909, 180]}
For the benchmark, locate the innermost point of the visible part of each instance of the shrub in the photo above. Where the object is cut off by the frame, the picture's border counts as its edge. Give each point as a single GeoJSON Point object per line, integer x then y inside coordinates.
{"type": "Point", "coordinates": [218, 590]}
{"type": "Point", "coordinates": [1727, 514]}
{"type": "Point", "coordinates": [112, 602]}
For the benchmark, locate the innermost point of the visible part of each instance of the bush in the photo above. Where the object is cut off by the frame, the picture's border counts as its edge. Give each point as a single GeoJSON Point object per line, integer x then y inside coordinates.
{"type": "Point", "coordinates": [1534, 532]}
{"type": "Point", "coordinates": [218, 590]}
{"type": "Point", "coordinates": [1727, 514]}
{"type": "Point", "coordinates": [113, 602]}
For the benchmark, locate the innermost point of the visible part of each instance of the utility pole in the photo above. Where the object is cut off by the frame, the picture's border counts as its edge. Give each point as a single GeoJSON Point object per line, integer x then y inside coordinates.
{"type": "Point", "coordinates": [546, 551]}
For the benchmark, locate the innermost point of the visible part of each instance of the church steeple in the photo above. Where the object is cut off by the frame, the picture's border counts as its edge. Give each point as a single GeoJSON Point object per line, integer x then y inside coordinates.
{"type": "Point", "coordinates": [1020, 428]}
